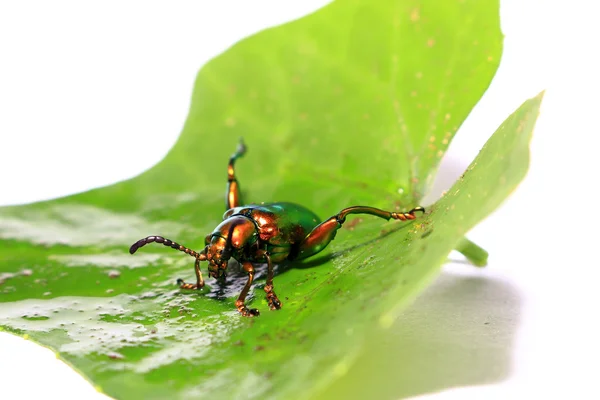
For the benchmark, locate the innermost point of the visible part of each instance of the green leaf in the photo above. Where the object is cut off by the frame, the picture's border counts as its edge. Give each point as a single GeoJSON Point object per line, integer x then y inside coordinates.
{"type": "Point", "coordinates": [353, 104]}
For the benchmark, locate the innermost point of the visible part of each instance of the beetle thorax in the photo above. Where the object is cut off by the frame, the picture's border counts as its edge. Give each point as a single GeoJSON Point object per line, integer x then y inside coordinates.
{"type": "Point", "coordinates": [229, 239]}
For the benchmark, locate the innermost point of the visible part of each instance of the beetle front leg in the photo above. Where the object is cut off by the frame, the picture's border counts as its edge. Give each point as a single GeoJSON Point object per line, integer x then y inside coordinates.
{"type": "Point", "coordinates": [274, 303]}
{"type": "Point", "coordinates": [240, 305]}
{"type": "Point", "coordinates": [233, 198]}
{"type": "Point", "coordinates": [199, 280]}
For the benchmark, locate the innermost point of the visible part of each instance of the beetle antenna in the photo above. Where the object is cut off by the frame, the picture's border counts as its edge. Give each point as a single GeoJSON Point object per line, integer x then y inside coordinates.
{"type": "Point", "coordinates": [159, 239]}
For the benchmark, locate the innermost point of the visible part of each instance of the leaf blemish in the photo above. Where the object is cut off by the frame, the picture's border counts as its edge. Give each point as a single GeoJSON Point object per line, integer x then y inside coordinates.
{"type": "Point", "coordinates": [415, 14]}
{"type": "Point", "coordinates": [113, 274]}
{"type": "Point", "coordinates": [230, 122]}
{"type": "Point", "coordinates": [350, 225]}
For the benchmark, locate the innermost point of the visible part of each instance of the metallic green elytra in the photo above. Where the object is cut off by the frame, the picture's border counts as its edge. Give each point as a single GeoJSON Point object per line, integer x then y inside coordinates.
{"type": "Point", "coordinates": [259, 233]}
{"type": "Point", "coordinates": [281, 227]}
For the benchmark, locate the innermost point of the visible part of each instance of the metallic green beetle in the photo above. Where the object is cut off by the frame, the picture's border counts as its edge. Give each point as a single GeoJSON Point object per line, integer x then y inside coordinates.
{"type": "Point", "coordinates": [261, 233]}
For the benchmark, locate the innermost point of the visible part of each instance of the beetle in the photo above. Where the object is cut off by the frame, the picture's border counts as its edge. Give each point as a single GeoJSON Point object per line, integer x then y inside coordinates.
{"type": "Point", "coordinates": [259, 233]}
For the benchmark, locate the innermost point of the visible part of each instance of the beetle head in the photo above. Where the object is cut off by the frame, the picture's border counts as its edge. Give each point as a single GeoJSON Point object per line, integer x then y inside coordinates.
{"type": "Point", "coordinates": [229, 239]}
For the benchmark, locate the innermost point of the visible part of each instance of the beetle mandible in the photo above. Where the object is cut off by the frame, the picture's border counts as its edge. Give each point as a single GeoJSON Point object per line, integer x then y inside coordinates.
{"type": "Point", "coordinates": [259, 233]}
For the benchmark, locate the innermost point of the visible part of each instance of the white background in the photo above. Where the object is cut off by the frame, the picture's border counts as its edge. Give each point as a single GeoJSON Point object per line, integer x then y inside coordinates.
{"type": "Point", "coordinates": [84, 84]}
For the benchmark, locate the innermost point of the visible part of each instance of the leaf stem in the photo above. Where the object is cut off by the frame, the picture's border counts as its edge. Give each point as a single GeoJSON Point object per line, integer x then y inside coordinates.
{"type": "Point", "coordinates": [475, 254]}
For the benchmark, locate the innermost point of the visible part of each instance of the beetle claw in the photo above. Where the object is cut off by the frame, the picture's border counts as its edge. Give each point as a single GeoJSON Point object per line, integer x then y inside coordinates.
{"type": "Point", "coordinates": [274, 304]}
{"type": "Point", "coordinates": [181, 283]}
{"type": "Point", "coordinates": [254, 312]}
{"type": "Point", "coordinates": [249, 312]}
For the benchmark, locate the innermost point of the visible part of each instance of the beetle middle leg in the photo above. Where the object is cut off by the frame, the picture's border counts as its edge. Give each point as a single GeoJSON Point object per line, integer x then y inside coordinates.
{"type": "Point", "coordinates": [240, 305]}
{"type": "Point", "coordinates": [274, 303]}
{"type": "Point", "coordinates": [325, 232]}
{"type": "Point", "coordinates": [233, 198]}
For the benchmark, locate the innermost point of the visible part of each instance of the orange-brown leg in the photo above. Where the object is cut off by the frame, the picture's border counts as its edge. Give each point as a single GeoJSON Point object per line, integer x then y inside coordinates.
{"type": "Point", "coordinates": [274, 303]}
{"type": "Point", "coordinates": [199, 280]}
{"type": "Point", "coordinates": [325, 232]}
{"type": "Point", "coordinates": [232, 197]}
{"type": "Point", "coordinates": [240, 305]}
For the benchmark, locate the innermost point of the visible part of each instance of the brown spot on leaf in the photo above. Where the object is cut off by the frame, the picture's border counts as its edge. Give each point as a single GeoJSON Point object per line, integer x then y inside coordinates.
{"type": "Point", "coordinates": [415, 14]}
{"type": "Point", "coordinates": [350, 225]}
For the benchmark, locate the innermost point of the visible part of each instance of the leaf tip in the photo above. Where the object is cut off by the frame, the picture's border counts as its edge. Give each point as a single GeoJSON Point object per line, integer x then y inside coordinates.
{"type": "Point", "coordinates": [539, 97]}
{"type": "Point", "coordinates": [541, 94]}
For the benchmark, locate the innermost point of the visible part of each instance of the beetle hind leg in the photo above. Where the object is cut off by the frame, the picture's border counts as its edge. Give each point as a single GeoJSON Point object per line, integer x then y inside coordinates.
{"type": "Point", "coordinates": [325, 232]}
{"type": "Point", "coordinates": [233, 197]}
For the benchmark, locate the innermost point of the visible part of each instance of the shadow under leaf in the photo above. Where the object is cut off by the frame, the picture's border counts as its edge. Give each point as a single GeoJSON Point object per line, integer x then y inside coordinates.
{"type": "Point", "coordinates": [459, 332]}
